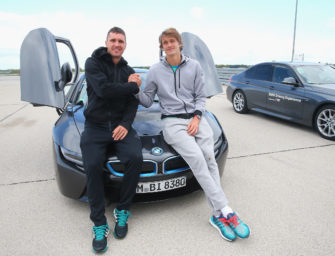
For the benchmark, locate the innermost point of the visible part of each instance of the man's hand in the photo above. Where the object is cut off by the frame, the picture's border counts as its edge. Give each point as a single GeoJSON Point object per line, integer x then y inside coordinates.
{"type": "Point", "coordinates": [193, 126]}
{"type": "Point", "coordinates": [119, 133]}
{"type": "Point", "coordinates": [135, 78]}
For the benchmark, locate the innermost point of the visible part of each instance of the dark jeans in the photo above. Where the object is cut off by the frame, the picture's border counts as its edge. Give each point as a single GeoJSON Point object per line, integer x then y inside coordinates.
{"type": "Point", "coordinates": [94, 142]}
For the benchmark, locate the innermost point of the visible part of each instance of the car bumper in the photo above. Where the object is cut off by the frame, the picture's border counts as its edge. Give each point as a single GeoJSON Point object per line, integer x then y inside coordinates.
{"type": "Point", "coordinates": [229, 93]}
{"type": "Point", "coordinates": [71, 179]}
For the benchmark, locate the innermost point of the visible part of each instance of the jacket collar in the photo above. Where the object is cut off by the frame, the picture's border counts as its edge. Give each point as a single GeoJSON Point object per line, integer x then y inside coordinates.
{"type": "Point", "coordinates": [183, 60]}
{"type": "Point", "coordinates": [101, 53]}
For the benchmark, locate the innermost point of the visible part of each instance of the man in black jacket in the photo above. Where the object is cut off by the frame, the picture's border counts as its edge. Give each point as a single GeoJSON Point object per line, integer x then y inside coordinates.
{"type": "Point", "coordinates": [111, 109]}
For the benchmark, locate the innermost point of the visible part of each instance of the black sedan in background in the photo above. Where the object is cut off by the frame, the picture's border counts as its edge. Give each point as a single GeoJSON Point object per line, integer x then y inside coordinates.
{"type": "Point", "coordinates": [300, 92]}
{"type": "Point", "coordinates": [45, 83]}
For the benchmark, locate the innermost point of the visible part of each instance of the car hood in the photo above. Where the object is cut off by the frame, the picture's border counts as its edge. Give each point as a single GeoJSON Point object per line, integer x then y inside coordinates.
{"type": "Point", "coordinates": [147, 123]}
{"type": "Point", "coordinates": [323, 88]}
{"type": "Point", "coordinates": [147, 120]}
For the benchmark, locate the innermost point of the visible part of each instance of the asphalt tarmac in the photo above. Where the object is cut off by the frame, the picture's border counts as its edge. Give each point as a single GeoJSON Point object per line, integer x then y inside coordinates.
{"type": "Point", "coordinates": [278, 176]}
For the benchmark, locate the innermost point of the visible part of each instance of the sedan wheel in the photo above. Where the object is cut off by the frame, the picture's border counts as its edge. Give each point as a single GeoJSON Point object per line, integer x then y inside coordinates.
{"type": "Point", "coordinates": [325, 122]}
{"type": "Point", "coordinates": [240, 102]}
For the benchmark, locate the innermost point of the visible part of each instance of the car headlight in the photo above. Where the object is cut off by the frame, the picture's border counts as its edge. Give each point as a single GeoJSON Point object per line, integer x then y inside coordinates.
{"type": "Point", "coordinates": [218, 142]}
{"type": "Point", "coordinates": [72, 156]}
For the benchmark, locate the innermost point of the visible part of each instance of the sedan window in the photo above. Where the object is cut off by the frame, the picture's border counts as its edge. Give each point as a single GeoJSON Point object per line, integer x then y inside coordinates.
{"type": "Point", "coordinates": [260, 72]}
{"type": "Point", "coordinates": [280, 73]}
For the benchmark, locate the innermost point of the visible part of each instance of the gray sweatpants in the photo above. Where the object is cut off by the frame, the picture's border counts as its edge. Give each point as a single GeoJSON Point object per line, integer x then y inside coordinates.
{"type": "Point", "coordinates": [198, 152]}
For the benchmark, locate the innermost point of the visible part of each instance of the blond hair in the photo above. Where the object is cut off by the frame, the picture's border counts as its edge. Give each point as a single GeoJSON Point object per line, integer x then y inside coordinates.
{"type": "Point", "coordinates": [172, 32]}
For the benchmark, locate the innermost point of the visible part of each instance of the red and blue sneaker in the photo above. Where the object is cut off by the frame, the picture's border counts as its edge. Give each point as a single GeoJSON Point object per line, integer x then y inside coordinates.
{"type": "Point", "coordinates": [222, 225]}
{"type": "Point", "coordinates": [241, 229]}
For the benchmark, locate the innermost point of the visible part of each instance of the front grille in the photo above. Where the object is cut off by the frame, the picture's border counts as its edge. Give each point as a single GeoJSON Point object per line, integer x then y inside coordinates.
{"type": "Point", "coordinates": [149, 168]}
{"type": "Point", "coordinates": [171, 165]}
{"type": "Point", "coordinates": [174, 164]}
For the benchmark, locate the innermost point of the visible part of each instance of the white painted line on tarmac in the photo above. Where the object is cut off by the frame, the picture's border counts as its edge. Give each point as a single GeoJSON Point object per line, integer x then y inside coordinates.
{"type": "Point", "coordinates": [3, 119]}
{"type": "Point", "coordinates": [25, 182]}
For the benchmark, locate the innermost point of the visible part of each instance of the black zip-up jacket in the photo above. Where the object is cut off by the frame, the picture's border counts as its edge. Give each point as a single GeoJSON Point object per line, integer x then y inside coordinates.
{"type": "Point", "coordinates": [110, 96]}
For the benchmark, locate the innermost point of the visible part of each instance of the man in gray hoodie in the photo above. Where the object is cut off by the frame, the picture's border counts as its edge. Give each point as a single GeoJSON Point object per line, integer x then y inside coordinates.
{"type": "Point", "coordinates": [178, 81]}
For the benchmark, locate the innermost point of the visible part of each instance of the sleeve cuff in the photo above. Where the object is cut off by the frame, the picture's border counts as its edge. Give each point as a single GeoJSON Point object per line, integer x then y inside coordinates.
{"type": "Point", "coordinates": [136, 88]}
{"type": "Point", "coordinates": [125, 125]}
{"type": "Point", "coordinates": [197, 112]}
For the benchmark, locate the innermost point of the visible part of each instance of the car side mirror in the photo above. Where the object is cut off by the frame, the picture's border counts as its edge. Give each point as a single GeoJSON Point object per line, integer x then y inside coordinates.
{"type": "Point", "coordinates": [66, 76]}
{"type": "Point", "coordinates": [290, 80]}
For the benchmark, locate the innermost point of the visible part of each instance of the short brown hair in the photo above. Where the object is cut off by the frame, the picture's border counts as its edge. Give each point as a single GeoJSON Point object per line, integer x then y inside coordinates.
{"type": "Point", "coordinates": [170, 32]}
{"type": "Point", "coordinates": [116, 30]}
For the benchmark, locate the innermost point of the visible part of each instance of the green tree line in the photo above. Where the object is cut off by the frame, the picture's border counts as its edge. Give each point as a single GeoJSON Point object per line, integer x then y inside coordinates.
{"type": "Point", "coordinates": [17, 71]}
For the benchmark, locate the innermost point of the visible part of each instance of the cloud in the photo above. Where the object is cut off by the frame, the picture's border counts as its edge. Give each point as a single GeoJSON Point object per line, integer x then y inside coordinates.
{"type": "Point", "coordinates": [197, 12]}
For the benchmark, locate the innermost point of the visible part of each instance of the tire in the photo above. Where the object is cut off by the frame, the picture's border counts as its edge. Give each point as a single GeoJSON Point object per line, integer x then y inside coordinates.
{"type": "Point", "coordinates": [324, 122]}
{"type": "Point", "coordinates": [240, 102]}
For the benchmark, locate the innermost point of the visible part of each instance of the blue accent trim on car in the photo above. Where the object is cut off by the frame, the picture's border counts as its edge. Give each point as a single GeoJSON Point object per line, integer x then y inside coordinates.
{"type": "Point", "coordinates": [177, 170]}
{"type": "Point", "coordinates": [211, 115]}
{"type": "Point", "coordinates": [119, 174]}
{"type": "Point", "coordinates": [174, 170]}
{"type": "Point", "coordinates": [84, 199]}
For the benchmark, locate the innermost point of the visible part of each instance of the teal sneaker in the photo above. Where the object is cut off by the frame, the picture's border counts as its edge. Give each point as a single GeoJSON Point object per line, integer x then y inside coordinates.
{"type": "Point", "coordinates": [221, 224]}
{"type": "Point", "coordinates": [241, 229]}
{"type": "Point", "coordinates": [100, 235]}
{"type": "Point", "coordinates": [121, 226]}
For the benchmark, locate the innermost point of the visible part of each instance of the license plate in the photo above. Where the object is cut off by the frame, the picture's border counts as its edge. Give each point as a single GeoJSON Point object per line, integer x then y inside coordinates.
{"type": "Point", "coordinates": [159, 186]}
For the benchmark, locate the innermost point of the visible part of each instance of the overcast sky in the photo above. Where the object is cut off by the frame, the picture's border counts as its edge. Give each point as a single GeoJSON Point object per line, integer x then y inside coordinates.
{"type": "Point", "coordinates": [236, 31]}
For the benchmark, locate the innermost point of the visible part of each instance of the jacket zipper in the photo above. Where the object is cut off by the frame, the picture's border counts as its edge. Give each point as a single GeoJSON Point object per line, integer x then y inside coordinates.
{"type": "Point", "coordinates": [179, 78]}
{"type": "Point", "coordinates": [109, 112]}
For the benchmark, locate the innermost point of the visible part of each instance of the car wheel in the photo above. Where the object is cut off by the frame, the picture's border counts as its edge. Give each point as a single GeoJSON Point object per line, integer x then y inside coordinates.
{"type": "Point", "coordinates": [325, 122]}
{"type": "Point", "coordinates": [240, 102]}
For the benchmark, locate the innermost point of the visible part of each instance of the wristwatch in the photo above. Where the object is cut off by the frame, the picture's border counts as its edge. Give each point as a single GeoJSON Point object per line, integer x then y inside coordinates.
{"type": "Point", "coordinates": [198, 116]}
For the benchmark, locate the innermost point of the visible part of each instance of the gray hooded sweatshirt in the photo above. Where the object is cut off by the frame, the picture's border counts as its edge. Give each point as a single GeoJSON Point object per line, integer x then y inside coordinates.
{"type": "Point", "coordinates": [179, 92]}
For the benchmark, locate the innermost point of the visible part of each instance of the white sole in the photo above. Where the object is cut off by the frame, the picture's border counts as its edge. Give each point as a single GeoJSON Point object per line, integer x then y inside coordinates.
{"type": "Point", "coordinates": [217, 228]}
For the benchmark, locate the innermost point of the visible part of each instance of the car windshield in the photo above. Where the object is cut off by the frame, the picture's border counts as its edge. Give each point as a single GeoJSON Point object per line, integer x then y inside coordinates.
{"type": "Point", "coordinates": [317, 74]}
{"type": "Point", "coordinates": [82, 97]}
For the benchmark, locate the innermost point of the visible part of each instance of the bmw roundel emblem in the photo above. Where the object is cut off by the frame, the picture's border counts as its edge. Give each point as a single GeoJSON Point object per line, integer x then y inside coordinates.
{"type": "Point", "coordinates": [157, 151]}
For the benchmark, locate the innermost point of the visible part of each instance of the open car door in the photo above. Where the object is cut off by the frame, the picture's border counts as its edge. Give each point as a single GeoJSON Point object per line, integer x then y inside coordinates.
{"type": "Point", "coordinates": [42, 78]}
{"type": "Point", "coordinates": [195, 48]}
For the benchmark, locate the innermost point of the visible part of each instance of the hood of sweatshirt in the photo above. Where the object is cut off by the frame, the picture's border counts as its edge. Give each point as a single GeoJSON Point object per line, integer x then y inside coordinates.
{"type": "Point", "coordinates": [102, 53]}
{"type": "Point", "coordinates": [184, 59]}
